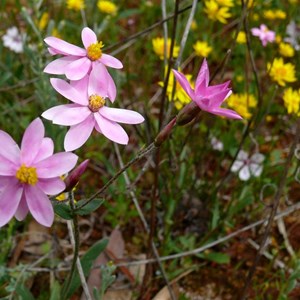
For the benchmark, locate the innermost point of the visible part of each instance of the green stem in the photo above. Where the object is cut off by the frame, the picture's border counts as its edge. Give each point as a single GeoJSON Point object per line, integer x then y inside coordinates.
{"type": "Point", "coordinates": [76, 248]}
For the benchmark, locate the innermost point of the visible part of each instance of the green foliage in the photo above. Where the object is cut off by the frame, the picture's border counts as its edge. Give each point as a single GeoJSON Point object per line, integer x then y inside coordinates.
{"type": "Point", "coordinates": [87, 262]}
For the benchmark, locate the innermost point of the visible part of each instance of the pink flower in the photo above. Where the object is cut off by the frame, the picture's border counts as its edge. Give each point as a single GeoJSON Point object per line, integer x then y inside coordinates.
{"type": "Point", "coordinates": [208, 98]}
{"type": "Point", "coordinates": [77, 62]}
{"type": "Point", "coordinates": [29, 174]}
{"type": "Point", "coordinates": [88, 110]}
{"type": "Point", "coordinates": [264, 34]}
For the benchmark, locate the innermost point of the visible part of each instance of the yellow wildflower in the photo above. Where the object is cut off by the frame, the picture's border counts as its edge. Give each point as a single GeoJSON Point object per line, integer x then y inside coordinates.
{"type": "Point", "coordinates": [269, 14]}
{"type": "Point", "coordinates": [180, 96]}
{"type": "Point", "coordinates": [286, 50]}
{"type": "Point", "coordinates": [194, 25]}
{"type": "Point", "coordinates": [56, 33]}
{"type": "Point", "coordinates": [228, 3]}
{"type": "Point", "coordinates": [291, 100]}
{"type": "Point", "coordinates": [43, 22]}
{"type": "Point", "coordinates": [280, 14]}
{"type": "Point", "coordinates": [242, 104]}
{"type": "Point", "coordinates": [75, 4]}
{"type": "Point", "coordinates": [278, 38]}
{"type": "Point", "coordinates": [202, 48]}
{"type": "Point", "coordinates": [158, 45]}
{"type": "Point", "coordinates": [215, 12]}
{"type": "Point", "coordinates": [250, 3]}
{"type": "Point", "coordinates": [107, 7]}
{"type": "Point", "coordinates": [281, 72]}
{"type": "Point", "coordinates": [274, 14]}
{"type": "Point", "coordinates": [241, 38]}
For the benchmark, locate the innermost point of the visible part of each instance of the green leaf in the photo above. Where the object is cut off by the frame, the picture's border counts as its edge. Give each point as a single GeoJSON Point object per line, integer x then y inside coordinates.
{"type": "Point", "coordinates": [24, 293]}
{"type": "Point", "coordinates": [63, 210]}
{"type": "Point", "coordinates": [87, 262]}
{"type": "Point", "coordinates": [217, 257]}
{"type": "Point", "coordinates": [90, 207]}
{"type": "Point", "coordinates": [55, 291]}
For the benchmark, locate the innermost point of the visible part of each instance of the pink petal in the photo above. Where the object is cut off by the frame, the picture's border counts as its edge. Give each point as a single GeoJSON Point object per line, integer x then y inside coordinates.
{"type": "Point", "coordinates": [255, 31]}
{"type": "Point", "coordinates": [7, 168]}
{"type": "Point", "coordinates": [98, 82]}
{"type": "Point", "coordinates": [228, 113]}
{"type": "Point", "coordinates": [56, 165]}
{"type": "Point", "coordinates": [203, 75]}
{"type": "Point", "coordinates": [46, 149]}
{"type": "Point", "coordinates": [22, 210]}
{"type": "Point", "coordinates": [72, 116]}
{"type": "Point", "coordinates": [112, 130]}
{"type": "Point", "coordinates": [111, 61]}
{"type": "Point", "coordinates": [9, 149]}
{"type": "Point", "coordinates": [78, 69]}
{"type": "Point", "coordinates": [112, 90]}
{"type": "Point", "coordinates": [88, 37]}
{"type": "Point", "coordinates": [81, 85]}
{"type": "Point", "coordinates": [184, 83]}
{"type": "Point", "coordinates": [39, 205]}
{"type": "Point", "coordinates": [78, 134]}
{"type": "Point", "coordinates": [10, 198]}
{"type": "Point", "coordinates": [58, 66]}
{"type": "Point", "coordinates": [121, 115]}
{"type": "Point", "coordinates": [32, 140]}
{"type": "Point", "coordinates": [50, 113]}
{"type": "Point", "coordinates": [69, 92]}
{"type": "Point", "coordinates": [213, 89]}
{"type": "Point", "coordinates": [66, 47]}
{"type": "Point", "coordinates": [51, 186]}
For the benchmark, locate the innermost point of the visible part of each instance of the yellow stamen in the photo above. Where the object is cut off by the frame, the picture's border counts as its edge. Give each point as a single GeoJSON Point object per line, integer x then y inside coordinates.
{"type": "Point", "coordinates": [96, 102]}
{"type": "Point", "coordinates": [27, 175]}
{"type": "Point", "coordinates": [94, 51]}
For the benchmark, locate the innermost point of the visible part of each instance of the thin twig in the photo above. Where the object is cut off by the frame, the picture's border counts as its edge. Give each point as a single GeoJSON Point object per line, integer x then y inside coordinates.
{"type": "Point", "coordinates": [196, 251]}
{"type": "Point", "coordinates": [144, 221]}
{"type": "Point", "coordinates": [186, 33]}
{"type": "Point", "coordinates": [147, 30]}
{"type": "Point", "coordinates": [78, 264]}
{"type": "Point", "coordinates": [275, 205]}
{"type": "Point", "coordinates": [139, 156]}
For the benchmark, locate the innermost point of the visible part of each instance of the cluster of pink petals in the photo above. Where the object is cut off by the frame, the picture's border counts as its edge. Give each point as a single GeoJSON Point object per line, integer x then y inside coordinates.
{"type": "Point", "coordinates": [264, 34]}
{"type": "Point", "coordinates": [75, 63]}
{"type": "Point", "coordinates": [208, 98]}
{"type": "Point", "coordinates": [81, 118]}
{"type": "Point", "coordinates": [17, 198]}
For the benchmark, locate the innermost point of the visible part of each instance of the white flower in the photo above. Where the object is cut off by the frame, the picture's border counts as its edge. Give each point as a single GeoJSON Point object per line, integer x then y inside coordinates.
{"type": "Point", "coordinates": [216, 144]}
{"type": "Point", "coordinates": [246, 166]}
{"type": "Point", "coordinates": [13, 40]}
{"type": "Point", "coordinates": [293, 32]}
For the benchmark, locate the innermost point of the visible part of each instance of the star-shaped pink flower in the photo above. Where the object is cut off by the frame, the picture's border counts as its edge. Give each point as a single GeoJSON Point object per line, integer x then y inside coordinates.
{"type": "Point", "coordinates": [77, 62]}
{"type": "Point", "coordinates": [265, 35]}
{"type": "Point", "coordinates": [208, 98]}
{"type": "Point", "coordinates": [29, 174]}
{"type": "Point", "coordinates": [88, 110]}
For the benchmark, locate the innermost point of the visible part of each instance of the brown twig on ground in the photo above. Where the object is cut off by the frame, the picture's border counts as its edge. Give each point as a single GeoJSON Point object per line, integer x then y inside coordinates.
{"type": "Point", "coordinates": [275, 205]}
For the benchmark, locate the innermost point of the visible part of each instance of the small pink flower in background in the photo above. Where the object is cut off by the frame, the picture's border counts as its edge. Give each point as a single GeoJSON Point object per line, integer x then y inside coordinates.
{"type": "Point", "coordinates": [89, 111]}
{"type": "Point", "coordinates": [77, 62]}
{"type": "Point", "coordinates": [248, 166]}
{"type": "Point", "coordinates": [208, 98]}
{"type": "Point", "coordinates": [29, 174]}
{"type": "Point", "coordinates": [265, 35]}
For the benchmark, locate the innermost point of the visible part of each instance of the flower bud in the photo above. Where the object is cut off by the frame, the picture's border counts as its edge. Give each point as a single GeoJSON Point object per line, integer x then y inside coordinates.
{"type": "Point", "coordinates": [164, 133]}
{"type": "Point", "coordinates": [188, 113]}
{"type": "Point", "coordinates": [72, 179]}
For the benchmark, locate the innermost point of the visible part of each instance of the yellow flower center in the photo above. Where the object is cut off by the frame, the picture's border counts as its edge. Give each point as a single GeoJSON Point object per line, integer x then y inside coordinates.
{"type": "Point", "coordinates": [94, 51]}
{"type": "Point", "coordinates": [96, 102]}
{"type": "Point", "coordinates": [281, 71]}
{"type": "Point", "coordinates": [27, 175]}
